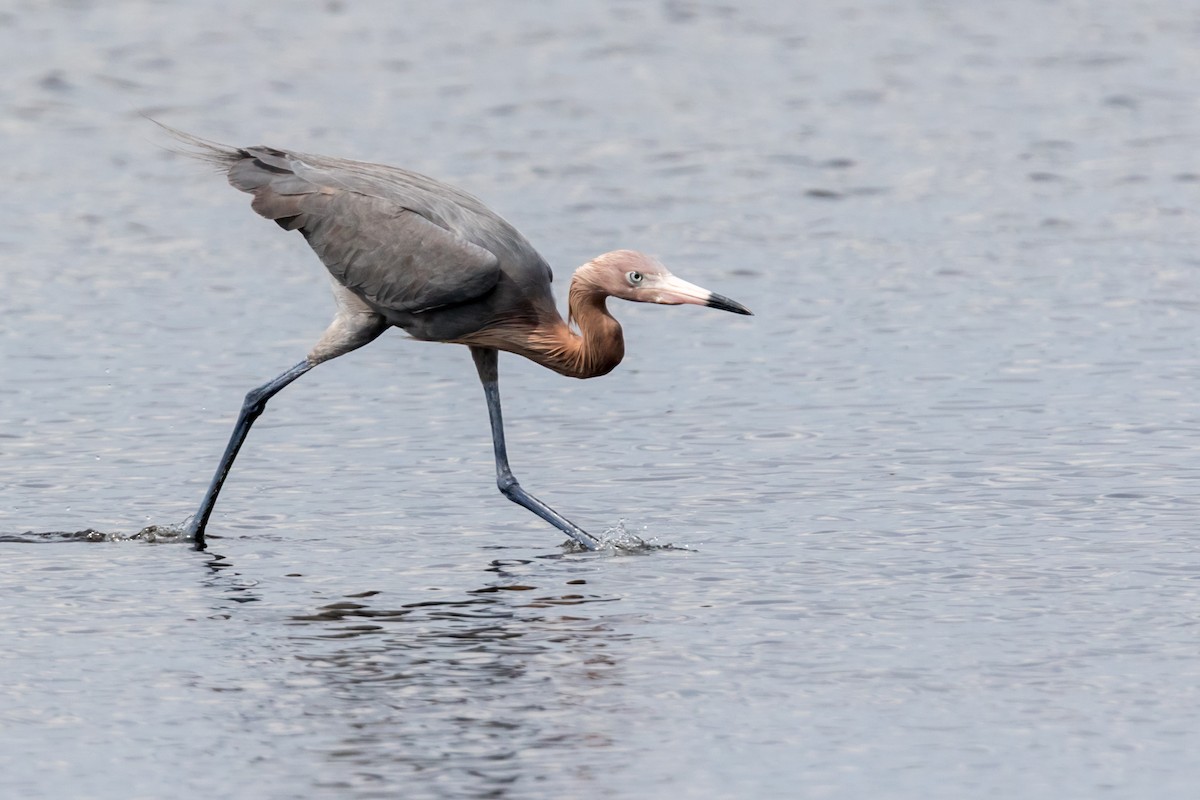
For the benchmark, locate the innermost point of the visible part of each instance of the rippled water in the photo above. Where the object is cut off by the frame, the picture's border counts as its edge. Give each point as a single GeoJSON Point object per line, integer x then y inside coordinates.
{"type": "Point", "coordinates": [936, 502]}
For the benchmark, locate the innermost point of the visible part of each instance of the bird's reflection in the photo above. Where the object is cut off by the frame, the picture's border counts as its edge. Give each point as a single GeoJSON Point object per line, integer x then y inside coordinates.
{"type": "Point", "coordinates": [232, 586]}
{"type": "Point", "coordinates": [489, 689]}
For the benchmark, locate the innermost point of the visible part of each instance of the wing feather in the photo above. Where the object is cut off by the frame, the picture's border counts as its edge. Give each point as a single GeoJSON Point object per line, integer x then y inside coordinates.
{"type": "Point", "coordinates": [377, 246]}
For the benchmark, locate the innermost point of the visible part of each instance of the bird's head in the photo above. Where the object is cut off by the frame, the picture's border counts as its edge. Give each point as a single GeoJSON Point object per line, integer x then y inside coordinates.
{"type": "Point", "coordinates": [635, 276]}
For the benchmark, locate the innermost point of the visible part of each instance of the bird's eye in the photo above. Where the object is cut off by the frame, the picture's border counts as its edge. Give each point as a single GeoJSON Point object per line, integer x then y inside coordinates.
{"type": "Point", "coordinates": [634, 278]}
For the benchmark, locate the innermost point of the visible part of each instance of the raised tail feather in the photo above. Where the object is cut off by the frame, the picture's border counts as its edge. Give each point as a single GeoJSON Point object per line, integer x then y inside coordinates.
{"type": "Point", "coordinates": [219, 155]}
{"type": "Point", "coordinates": [261, 171]}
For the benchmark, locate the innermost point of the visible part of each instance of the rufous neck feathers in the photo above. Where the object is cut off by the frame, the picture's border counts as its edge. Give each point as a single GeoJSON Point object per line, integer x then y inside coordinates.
{"type": "Point", "coordinates": [598, 346]}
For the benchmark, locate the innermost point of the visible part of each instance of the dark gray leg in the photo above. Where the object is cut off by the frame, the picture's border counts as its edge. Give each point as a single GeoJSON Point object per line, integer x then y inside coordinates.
{"type": "Point", "coordinates": [485, 362]}
{"type": "Point", "coordinates": [256, 401]}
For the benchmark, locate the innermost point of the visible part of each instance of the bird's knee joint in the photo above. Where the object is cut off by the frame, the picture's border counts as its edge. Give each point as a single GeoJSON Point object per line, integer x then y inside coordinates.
{"type": "Point", "coordinates": [254, 402]}
{"type": "Point", "coordinates": [507, 485]}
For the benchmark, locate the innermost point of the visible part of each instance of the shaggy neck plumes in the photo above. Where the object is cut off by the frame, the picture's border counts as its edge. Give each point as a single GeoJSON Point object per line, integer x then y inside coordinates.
{"type": "Point", "coordinates": [598, 346]}
{"type": "Point", "coordinates": [546, 339]}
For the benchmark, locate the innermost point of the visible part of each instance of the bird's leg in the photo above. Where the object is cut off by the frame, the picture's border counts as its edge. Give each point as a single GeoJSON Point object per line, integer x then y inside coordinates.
{"type": "Point", "coordinates": [485, 363]}
{"type": "Point", "coordinates": [256, 401]}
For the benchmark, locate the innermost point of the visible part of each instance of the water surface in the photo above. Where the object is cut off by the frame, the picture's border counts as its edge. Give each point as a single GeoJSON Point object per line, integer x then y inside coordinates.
{"type": "Point", "coordinates": [939, 495]}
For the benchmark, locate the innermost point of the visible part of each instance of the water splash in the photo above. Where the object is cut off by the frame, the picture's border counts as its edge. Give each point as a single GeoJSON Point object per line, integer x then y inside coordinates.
{"type": "Point", "coordinates": [154, 534]}
{"type": "Point", "coordinates": [619, 540]}
{"type": "Point", "coordinates": [179, 532]}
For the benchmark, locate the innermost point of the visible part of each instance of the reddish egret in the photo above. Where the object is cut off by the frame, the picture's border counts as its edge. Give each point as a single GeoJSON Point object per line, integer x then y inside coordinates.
{"type": "Point", "coordinates": [407, 251]}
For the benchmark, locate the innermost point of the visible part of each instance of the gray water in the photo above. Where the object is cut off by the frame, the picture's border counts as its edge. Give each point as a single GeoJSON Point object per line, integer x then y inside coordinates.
{"type": "Point", "coordinates": [938, 497]}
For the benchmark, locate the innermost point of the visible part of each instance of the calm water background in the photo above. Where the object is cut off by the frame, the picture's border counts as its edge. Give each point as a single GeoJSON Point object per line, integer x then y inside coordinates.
{"type": "Point", "coordinates": [941, 492]}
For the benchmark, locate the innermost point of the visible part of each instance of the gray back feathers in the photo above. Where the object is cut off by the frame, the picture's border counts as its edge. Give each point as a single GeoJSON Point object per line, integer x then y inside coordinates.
{"type": "Point", "coordinates": [404, 242]}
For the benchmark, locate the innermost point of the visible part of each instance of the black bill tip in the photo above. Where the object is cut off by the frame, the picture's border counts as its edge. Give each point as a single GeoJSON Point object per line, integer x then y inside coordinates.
{"type": "Point", "coordinates": [725, 304]}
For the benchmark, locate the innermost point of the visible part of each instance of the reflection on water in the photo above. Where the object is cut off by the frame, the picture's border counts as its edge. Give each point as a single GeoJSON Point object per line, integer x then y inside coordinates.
{"type": "Point", "coordinates": [488, 691]}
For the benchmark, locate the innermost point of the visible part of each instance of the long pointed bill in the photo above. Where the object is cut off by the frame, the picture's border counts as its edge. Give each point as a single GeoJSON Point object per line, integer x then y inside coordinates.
{"type": "Point", "coordinates": [673, 291]}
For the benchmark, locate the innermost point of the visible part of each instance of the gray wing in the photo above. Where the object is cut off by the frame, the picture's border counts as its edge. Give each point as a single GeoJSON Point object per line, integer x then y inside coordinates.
{"type": "Point", "coordinates": [375, 245]}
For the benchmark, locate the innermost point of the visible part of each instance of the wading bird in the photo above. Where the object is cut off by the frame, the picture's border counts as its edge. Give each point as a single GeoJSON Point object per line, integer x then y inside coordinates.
{"type": "Point", "coordinates": [407, 251]}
